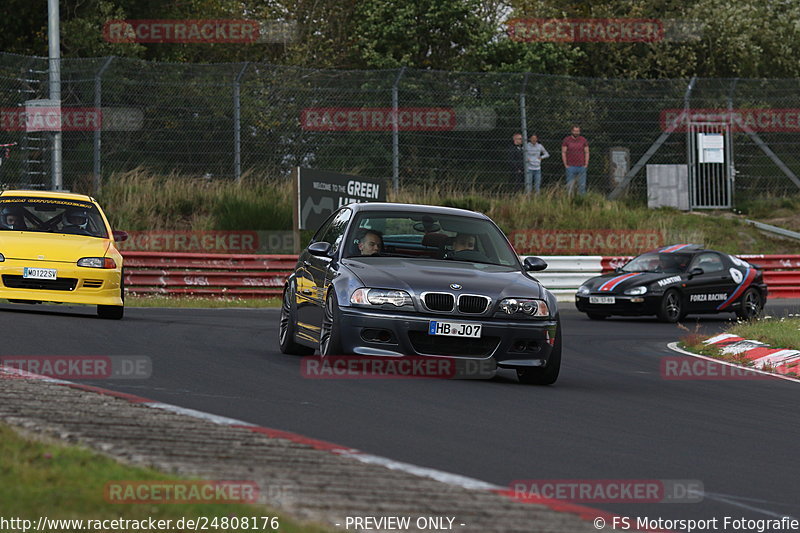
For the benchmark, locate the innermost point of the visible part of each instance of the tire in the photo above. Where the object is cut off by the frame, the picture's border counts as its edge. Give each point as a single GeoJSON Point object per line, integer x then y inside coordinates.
{"type": "Point", "coordinates": [288, 327]}
{"type": "Point", "coordinates": [596, 316]}
{"type": "Point", "coordinates": [330, 337]}
{"type": "Point", "coordinates": [549, 374]}
{"type": "Point", "coordinates": [114, 312]}
{"type": "Point", "coordinates": [671, 308]}
{"type": "Point", "coordinates": [751, 305]}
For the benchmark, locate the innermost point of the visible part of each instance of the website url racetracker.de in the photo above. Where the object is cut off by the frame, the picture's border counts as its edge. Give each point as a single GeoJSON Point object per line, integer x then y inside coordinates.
{"type": "Point", "coordinates": [201, 523]}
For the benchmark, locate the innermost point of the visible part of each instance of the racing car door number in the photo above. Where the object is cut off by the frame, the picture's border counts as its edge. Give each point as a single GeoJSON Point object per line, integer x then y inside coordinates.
{"type": "Point", "coordinates": [39, 273]}
{"type": "Point", "coordinates": [601, 299]}
{"type": "Point", "coordinates": [454, 329]}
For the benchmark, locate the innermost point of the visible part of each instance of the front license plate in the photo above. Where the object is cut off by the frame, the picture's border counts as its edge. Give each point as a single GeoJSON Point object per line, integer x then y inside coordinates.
{"type": "Point", "coordinates": [601, 299]}
{"type": "Point", "coordinates": [454, 329]}
{"type": "Point", "coordinates": [39, 273]}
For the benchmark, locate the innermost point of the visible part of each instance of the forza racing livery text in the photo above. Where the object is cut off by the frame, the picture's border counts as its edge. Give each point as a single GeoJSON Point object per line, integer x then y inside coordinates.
{"type": "Point", "coordinates": [674, 281]}
{"type": "Point", "coordinates": [391, 280]}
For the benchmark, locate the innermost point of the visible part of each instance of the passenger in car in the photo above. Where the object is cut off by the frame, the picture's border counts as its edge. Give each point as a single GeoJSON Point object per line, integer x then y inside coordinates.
{"type": "Point", "coordinates": [464, 241]}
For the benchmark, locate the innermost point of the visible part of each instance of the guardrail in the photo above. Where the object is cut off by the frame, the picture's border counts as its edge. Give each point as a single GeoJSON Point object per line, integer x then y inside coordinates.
{"type": "Point", "coordinates": [256, 276]}
{"type": "Point", "coordinates": [178, 273]}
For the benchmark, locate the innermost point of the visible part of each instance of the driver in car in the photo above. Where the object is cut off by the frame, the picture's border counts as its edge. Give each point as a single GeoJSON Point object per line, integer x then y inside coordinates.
{"type": "Point", "coordinates": [371, 243]}
{"type": "Point", "coordinates": [76, 221]}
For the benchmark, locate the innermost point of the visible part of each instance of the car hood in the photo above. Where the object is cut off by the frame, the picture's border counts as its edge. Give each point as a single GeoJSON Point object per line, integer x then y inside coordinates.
{"type": "Point", "coordinates": [420, 275]}
{"type": "Point", "coordinates": [50, 246]}
{"type": "Point", "coordinates": [617, 283]}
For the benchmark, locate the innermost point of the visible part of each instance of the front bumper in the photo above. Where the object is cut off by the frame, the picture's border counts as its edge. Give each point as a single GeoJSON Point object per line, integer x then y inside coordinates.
{"type": "Point", "coordinates": [503, 343]}
{"type": "Point", "coordinates": [73, 284]}
{"type": "Point", "coordinates": [623, 305]}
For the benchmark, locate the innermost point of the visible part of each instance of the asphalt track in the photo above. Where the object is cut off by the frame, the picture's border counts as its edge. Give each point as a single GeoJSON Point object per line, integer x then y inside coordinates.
{"type": "Point", "coordinates": [611, 416]}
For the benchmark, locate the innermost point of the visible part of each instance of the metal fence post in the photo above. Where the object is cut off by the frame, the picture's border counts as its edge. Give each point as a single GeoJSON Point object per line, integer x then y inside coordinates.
{"type": "Point", "coordinates": [237, 124]}
{"type": "Point", "coordinates": [54, 47]}
{"type": "Point", "coordinates": [523, 115]}
{"type": "Point", "coordinates": [396, 132]}
{"type": "Point", "coordinates": [98, 102]}
{"type": "Point", "coordinates": [689, 155]}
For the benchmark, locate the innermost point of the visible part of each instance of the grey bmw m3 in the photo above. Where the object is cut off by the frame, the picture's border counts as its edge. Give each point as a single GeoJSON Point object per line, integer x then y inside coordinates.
{"type": "Point", "coordinates": [393, 280]}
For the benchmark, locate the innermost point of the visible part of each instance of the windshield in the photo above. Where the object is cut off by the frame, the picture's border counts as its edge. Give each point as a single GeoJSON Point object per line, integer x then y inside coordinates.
{"type": "Point", "coordinates": [669, 263]}
{"type": "Point", "coordinates": [423, 235]}
{"type": "Point", "coordinates": [51, 215]}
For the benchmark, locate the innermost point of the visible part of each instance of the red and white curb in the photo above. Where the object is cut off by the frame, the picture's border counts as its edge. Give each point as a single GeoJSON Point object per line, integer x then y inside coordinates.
{"type": "Point", "coordinates": [762, 355]}
{"type": "Point", "coordinates": [583, 512]}
{"type": "Point", "coordinates": [675, 348]}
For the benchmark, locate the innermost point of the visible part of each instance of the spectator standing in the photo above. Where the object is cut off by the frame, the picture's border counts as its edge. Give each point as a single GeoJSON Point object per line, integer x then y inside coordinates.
{"type": "Point", "coordinates": [534, 153]}
{"type": "Point", "coordinates": [516, 162]}
{"type": "Point", "coordinates": [575, 155]}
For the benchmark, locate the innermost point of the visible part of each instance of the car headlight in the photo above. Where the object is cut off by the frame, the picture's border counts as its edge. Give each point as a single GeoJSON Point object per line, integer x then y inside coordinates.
{"type": "Point", "coordinates": [97, 262]}
{"type": "Point", "coordinates": [636, 291]}
{"type": "Point", "coordinates": [583, 290]}
{"type": "Point", "coordinates": [527, 306]}
{"type": "Point", "coordinates": [367, 296]}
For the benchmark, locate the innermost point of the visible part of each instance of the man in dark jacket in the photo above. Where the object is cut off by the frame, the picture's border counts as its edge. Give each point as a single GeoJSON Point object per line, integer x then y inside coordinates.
{"type": "Point", "coordinates": [516, 163]}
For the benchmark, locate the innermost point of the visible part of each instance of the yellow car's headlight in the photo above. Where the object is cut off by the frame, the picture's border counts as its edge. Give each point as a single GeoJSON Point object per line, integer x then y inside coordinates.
{"type": "Point", "coordinates": [97, 262]}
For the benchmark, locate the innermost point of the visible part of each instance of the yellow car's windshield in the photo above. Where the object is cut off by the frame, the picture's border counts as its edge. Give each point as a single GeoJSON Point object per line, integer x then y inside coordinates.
{"type": "Point", "coordinates": [51, 215]}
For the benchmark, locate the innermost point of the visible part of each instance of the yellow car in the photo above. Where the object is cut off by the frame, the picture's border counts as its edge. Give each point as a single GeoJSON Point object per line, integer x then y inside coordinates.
{"type": "Point", "coordinates": [59, 247]}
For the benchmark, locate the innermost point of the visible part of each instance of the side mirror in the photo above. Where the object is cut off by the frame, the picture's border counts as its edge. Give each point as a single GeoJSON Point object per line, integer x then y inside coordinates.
{"type": "Point", "coordinates": [696, 271]}
{"type": "Point", "coordinates": [120, 236]}
{"type": "Point", "coordinates": [534, 264]}
{"type": "Point", "coordinates": [320, 249]}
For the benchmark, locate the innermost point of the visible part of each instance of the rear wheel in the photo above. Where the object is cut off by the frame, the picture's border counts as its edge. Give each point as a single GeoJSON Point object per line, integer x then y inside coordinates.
{"type": "Point", "coordinates": [288, 327]}
{"type": "Point", "coordinates": [330, 338]}
{"type": "Point", "coordinates": [671, 309]}
{"type": "Point", "coordinates": [751, 305]}
{"type": "Point", "coordinates": [114, 312]}
{"type": "Point", "coordinates": [549, 374]}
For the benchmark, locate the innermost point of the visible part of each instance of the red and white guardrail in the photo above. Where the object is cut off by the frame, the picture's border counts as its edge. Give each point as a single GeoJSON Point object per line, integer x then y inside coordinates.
{"type": "Point", "coordinates": [255, 276]}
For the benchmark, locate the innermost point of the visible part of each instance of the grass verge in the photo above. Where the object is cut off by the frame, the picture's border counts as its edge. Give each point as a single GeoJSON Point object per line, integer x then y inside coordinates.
{"type": "Point", "coordinates": [138, 200]}
{"type": "Point", "coordinates": [199, 302]}
{"type": "Point", "coordinates": [783, 332]}
{"type": "Point", "coordinates": [40, 479]}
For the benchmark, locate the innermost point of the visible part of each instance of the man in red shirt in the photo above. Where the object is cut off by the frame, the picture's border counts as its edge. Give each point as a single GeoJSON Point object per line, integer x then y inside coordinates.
{"type": "Point", "coordinates": [575, 155]}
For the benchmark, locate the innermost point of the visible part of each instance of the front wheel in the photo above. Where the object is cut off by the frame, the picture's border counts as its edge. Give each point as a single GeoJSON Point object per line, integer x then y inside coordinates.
{"type": "Point", "coordinates": [549, 374]}
{"type": "Point", "coordinates": [288, 327]}
{"type": "Point", "coordinates": [751, 305]}
{"type": "Point", "coordinates": [330, 338]}
{"type": "Point", "coordinates": [671, 309]}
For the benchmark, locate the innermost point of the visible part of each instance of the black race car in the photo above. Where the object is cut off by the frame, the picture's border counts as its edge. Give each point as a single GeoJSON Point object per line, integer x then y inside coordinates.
{"type": "Point", "coordinates": [389, 280]}
{"type": "Point", "coordinates": [674, 281]}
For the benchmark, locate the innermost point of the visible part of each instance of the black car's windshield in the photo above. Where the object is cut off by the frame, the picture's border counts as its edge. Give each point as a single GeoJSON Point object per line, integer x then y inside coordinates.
{"type": "Point", "coordinates": [51, 215]}
{"type": "Point", "coordinates": [669, 263]}
{"type": "Point", "coordinates": [432, 236]}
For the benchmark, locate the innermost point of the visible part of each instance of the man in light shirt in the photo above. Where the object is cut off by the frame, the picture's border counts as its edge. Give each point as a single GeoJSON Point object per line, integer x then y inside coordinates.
{"type": "Point", "coordinates": [534, 153]}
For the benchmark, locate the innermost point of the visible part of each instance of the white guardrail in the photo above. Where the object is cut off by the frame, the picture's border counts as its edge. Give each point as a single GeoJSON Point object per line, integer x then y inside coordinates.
{"type": "Point", "coordinates": [565, 273]}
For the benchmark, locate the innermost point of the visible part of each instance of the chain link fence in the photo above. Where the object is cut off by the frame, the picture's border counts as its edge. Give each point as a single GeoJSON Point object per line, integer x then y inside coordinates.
{"type": "Point", "coordinates": [452, 130]}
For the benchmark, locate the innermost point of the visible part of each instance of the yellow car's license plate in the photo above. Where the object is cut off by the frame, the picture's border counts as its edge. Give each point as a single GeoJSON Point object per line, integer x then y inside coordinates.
{"type": "Point", "coordinates": [39, 273]}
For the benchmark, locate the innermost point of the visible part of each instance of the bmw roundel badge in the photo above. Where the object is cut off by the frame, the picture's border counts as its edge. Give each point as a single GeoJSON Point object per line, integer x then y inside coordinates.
{"type": "Point", "coordinates": [455, 286]}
